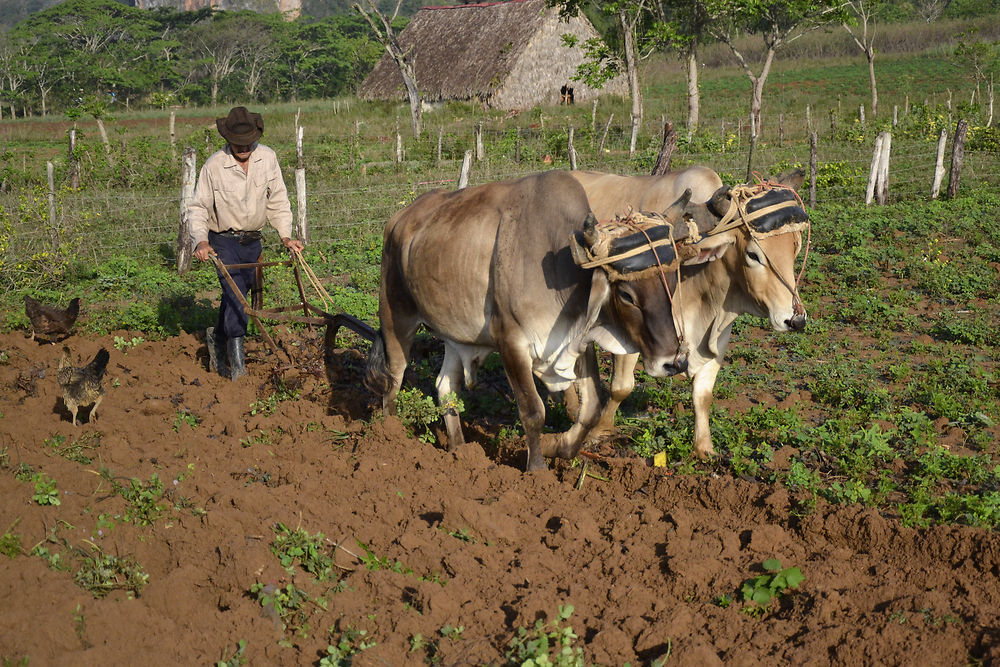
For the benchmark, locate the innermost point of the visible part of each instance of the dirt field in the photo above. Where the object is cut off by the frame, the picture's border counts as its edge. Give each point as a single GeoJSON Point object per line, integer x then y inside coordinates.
{"type": "Point", "coordinates": [462, 549]}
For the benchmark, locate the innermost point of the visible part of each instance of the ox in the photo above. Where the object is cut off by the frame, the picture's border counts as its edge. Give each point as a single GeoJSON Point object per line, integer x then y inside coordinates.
{"type": "Point", "coordinates": [756, 275]}
{"type": "Point", "coordinates": [502, 267]}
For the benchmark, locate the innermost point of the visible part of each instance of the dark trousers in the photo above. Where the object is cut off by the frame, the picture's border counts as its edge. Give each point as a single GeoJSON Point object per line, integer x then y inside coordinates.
{"type": "Point", "coordinates": [232, 322]}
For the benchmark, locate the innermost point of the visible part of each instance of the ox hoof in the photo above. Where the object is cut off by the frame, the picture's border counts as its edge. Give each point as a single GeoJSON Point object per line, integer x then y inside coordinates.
{"type": "Point", "coordinates": [705, 454]}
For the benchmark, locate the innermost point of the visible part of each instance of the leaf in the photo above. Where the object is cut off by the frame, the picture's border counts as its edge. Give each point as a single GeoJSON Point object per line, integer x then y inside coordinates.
{"type": "Point", "coordinates": [794, 577]}
{"type": "Point", "coordinates": [772, 565]}
{"type": "Point", "coordinates": [761, 596]}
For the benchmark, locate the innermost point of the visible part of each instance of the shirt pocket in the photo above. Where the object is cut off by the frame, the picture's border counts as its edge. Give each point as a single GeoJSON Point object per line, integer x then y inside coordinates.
{"type": "Point", "coordinates": [261, 183]}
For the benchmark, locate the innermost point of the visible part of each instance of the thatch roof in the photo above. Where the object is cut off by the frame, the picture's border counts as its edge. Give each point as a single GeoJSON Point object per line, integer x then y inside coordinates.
{"type": "Point", "coordinates": [505, 54]}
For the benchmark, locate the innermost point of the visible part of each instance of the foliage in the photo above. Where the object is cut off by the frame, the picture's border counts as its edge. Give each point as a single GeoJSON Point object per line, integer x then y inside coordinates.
{"type": "Point", "coordinates": [291, 546]}
{"type": "Point", "coordinates": [759, 591]}
{"type": "Point", "coordinates": [341, 654]}
{"type": "Point", "coordinates": [546, 644]}
{"type": "Point", "coordinates": [419, 412]}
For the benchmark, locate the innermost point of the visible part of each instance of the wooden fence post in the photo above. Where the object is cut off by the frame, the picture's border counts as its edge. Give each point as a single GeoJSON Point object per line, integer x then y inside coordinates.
{"type": "Point", "coordinates": [517, 145]}
{"type": "Point", "coordinates": [662, 164]}
{"type": "Point", "coordinates": [480, 153]}
{"type": "Point", "coordinates": [939, 165]}
{"type": "Point", "coordinates": [781, 129]}
{"type": "Point", "coordinates": [188, 176]}
{"type": "Point", "coordinates": [600, 149]}
{"type": "Point", "coordinates": [50, 174]}
{"type": "Point", "coordinates": [74, 164]}
{"type": "Point", "coordinates": [440, 139]}
{"type": "Point", "coordinates": [957, 157]}
{"type": "Point", "coordinates": [105, 141]}
{"type": "Point", "coordinates": [463, 178]}
{"type": "Point", "coordinates": [753, 145]}
{"type": "Point", "coordinates": [873, 171]}
{"type": "Point", "coordinates": [173, 136]}
{"type": "Point", "coordinates": [882, 178]}
{"type": "Point", "coordinates": [813, 155]}
{"type": "Point", "coordinates": [399, 145]}
{"type": "Point", "coordinates": [301, 230]}
{"type": "Point", "coordinates": [571, 150]}
{"type": "Point", "coordinates": [593, 122]}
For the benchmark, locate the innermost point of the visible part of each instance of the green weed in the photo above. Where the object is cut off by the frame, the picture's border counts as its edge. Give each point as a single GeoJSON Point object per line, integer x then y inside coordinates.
{"type": "Point", "coordinates": [298, 546]}
{"type": "Point", "coordinates": [760, 591]}
{"type": "Point", "coordinates": [46, 492]}
{"type": "Point", "coordinates": [546, 644]}
{"type": "Point", "coordinates": [237, 658]}
{"type": "Point", "coordinates": [10, 542]}
{"type": "Point", "coordinates": [350, 643]}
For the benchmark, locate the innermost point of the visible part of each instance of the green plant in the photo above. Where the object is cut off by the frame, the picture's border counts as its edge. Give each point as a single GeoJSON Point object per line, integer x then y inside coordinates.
{"type": "Point", "coordinates": [184, 417]}
{"type": "Point", "coordinates": [452, 632]}
{"type": "Point", "coordinates": [46, 492]}
{"type": "Point", "coordinates": [10, 542]}
{"type": "Point", "coordinates": [126, 344]}
{"type": "Point", "coordinates": [79, 450]}
{"type": "Point", "coordinates": [101, 573]}
{"type": "Point", "coordinates": [237, 658]}
{"type": "Point", "coordinates": [546, 644]}
{"type": "Point", "coordinates": [759, 591]}
{"type": "Point", "coordinates": [350, 643]}
{"type": "Point", "coordinates": [291, 605]}
{"type": "Point", "coordinates": [291, 546]}
{"type": "Point", "coordinates": [419, 412]}
{"type": "Point", "coordinates": [143, 499]}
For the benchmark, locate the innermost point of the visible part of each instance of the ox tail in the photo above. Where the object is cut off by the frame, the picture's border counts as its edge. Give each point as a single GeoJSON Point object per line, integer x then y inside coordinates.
{"type": "Point", "coordinates": [377, 377]}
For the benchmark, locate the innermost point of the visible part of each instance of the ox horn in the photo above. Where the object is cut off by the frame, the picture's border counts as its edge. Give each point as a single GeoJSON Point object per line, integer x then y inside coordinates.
{"type": "Point", "coordinates": [676, 210]}
{"type": "Point", "coordinates": [719, 203]}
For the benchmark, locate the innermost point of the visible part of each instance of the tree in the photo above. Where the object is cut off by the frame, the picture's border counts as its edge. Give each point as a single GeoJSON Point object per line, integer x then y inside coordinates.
{"type": "Point", "coordinates": [13, 70]}
{"type": "Point", "coordinates": [638, 34]}
{"type": "Point", "coordinates": [682, 24]}
{"type": "Point", "coordinates": [218, 45]}
{"type": "Point", "coordinates": [385, 33]}
{"type": "Point", "coordinates": [864, 14]}
{"type": "Point", "coordinates": [778, 22]}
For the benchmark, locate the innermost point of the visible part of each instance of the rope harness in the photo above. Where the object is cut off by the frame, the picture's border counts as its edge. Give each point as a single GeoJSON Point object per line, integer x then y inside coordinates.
{"type": "Point", "coordinates": [738, 215]}
{"type": "Point", "coordinates": [764, 208]}
{"type": "Point", "coordinates": [616, 245]}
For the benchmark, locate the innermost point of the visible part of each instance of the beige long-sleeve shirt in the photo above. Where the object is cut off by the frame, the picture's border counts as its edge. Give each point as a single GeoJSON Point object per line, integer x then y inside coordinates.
{"type": "Point", "coordinates": [226, 198]}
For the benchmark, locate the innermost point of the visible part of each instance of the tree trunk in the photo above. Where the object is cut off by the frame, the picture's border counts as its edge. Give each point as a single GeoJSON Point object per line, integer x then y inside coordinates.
{"type": "Point", "coordinates": [757, 97]}
{"type": "Point", "coordinates": [870, 52]}
{"type": "Point", "coordinates": [632, 70]}
{"type": "Point", "coordinates": [694, 100]}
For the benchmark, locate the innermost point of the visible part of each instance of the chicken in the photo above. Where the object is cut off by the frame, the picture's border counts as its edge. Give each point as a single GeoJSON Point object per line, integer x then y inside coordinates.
{"type": "Point", "coordinates": [82, 385]}
{"type": "Point", "coordinates": [49, 320]}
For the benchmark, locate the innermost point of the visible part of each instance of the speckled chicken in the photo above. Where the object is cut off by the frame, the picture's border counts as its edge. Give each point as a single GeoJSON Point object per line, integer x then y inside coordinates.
{"type": "Point", "coordinates": [82, 385]}
{"type": "Point", "coordinates": [50, 321]}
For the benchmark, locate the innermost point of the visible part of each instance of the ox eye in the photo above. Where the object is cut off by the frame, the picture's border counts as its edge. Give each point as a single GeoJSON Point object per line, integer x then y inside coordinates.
{"type": "Point", "coordinates": [754, 257]}
{"type": "Point", "coordinates": [626, 296]}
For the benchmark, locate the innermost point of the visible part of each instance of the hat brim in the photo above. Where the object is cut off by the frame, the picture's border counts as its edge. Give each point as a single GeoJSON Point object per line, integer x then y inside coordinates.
{"type": "Point", "coordinates": [244, 139]}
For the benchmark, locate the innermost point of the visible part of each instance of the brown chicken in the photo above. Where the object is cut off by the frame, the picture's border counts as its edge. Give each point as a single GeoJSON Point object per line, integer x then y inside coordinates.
{"type": "Point", "coordinates": [51, 321]}
{"type": "Point", "coordinates": [82, 385]}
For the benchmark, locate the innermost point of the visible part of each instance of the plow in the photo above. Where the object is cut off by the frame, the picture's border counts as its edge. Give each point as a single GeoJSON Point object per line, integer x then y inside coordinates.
{"type": "Point", "coordinates": [304, 311]}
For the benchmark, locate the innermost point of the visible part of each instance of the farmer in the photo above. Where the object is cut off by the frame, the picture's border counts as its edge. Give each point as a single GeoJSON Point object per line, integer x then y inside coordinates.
{"type": "Point", "coordinates": [239, 189]}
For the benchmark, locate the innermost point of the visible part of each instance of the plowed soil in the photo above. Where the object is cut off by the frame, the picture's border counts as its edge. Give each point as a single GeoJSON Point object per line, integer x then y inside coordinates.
{"type": "Point", "coordinates": [455, 540]}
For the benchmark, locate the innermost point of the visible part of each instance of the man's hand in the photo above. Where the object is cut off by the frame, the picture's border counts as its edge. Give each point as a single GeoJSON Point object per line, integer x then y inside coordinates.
{"type": "Point", "coordinates": [292, 244]}
{"type": "Point", "coordinates": [203, 250]}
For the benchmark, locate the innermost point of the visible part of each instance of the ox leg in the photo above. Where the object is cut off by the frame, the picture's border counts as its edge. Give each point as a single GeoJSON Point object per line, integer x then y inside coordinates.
{"type": "Point", "coordinates": [531, 407]}
{"type": "Point", "coordinates": [704, 383]}
{"type": "Point", "coordinates": [622, 383]}
{"type": "Point", "coordinates": [397, 340]}
{"type": "Point", "coordinates": [448, 381]}
{"type": "Point", "coordinates": [585, 389]}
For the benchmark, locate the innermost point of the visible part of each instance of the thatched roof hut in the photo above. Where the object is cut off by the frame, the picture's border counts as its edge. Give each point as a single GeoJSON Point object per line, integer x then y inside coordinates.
{"type": "Point", "coordinates": [507, 55]}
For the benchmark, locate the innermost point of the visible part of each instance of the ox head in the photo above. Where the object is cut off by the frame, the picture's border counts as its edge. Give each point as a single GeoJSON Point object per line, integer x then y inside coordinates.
{"type": "Point", "coordinates": [638, 256]}
{"type": "Point", "coordinates": [763, 228]}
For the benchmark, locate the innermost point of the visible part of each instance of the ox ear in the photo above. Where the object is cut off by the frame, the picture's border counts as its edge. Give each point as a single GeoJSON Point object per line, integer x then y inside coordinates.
{"type": "Point", "coordinates": [793, 178]}
{"type": "Point", "coordinates": [582, 241]}
{"type": "Point", "coordinates": [710, 248]}
{"type": "Point", "coordinates": [720, 201]}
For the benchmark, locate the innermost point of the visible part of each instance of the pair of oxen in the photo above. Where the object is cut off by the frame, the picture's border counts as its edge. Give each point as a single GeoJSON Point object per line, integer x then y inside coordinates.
{"type": "Point", "coordinates": [542, 268]}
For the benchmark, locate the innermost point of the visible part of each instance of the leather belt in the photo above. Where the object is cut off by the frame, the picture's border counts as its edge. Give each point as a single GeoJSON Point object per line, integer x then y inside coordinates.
{"type": "Point", "coordinates": [245, 238]}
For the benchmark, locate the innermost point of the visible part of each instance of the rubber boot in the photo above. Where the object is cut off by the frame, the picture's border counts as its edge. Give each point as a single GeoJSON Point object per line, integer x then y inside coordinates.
{"type": "Point", "coordinates": [216, 353]}
{"type": "Point", "coordinates": [237, 358]}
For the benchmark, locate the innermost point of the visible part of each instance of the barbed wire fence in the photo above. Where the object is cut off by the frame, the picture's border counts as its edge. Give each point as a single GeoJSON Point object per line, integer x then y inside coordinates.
{"type": "Point", "coordinates": [351, 194]}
